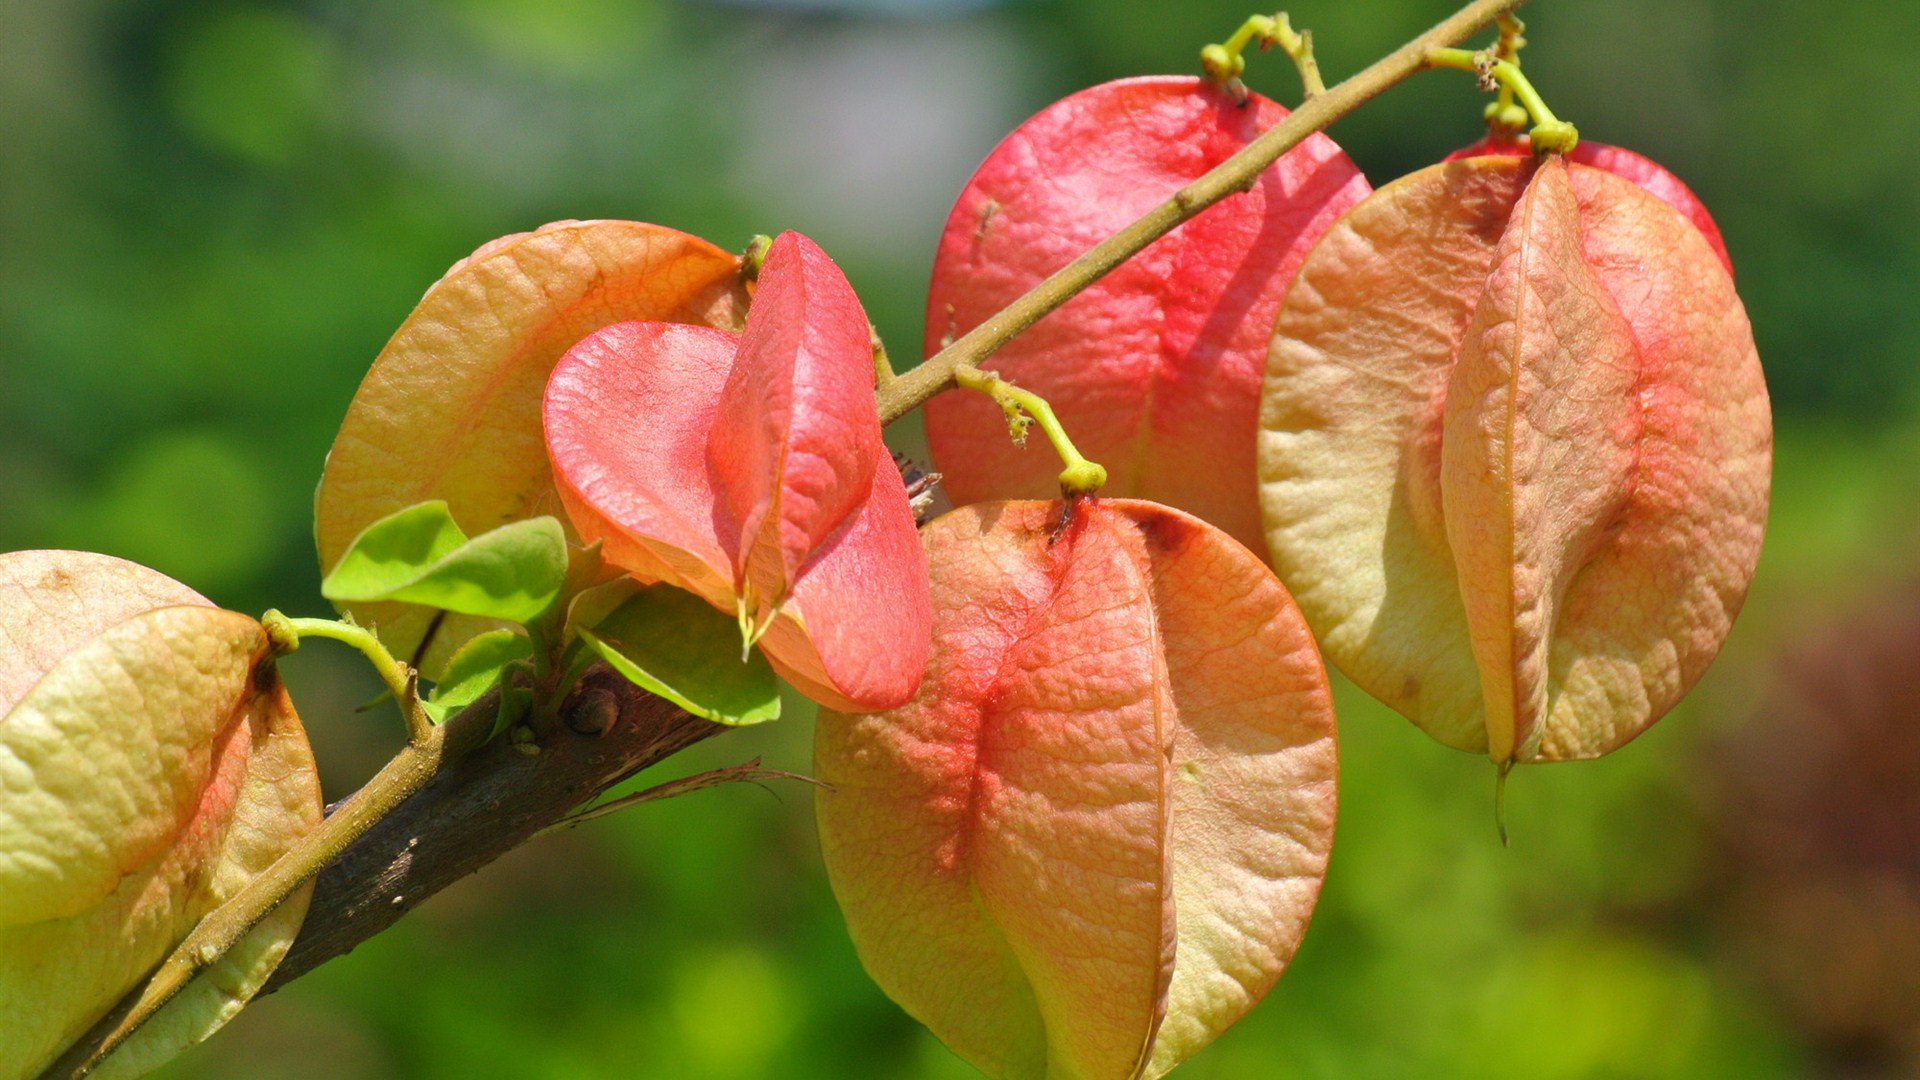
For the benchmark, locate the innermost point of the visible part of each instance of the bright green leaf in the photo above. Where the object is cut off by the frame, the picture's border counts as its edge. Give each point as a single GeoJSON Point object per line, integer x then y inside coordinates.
{"type": "Point", "coordinates": [420, 556]}
{"type": "Point", "coordinates": [476, 669]}
{"type": "Point", "coordinates": [672, 643]}
{"type": "Point", "coordinates": [590, 607]}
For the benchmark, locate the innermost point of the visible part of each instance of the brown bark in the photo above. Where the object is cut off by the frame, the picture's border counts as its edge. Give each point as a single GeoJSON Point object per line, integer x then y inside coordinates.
{"type": "Point", "coordinates": [482, 806]}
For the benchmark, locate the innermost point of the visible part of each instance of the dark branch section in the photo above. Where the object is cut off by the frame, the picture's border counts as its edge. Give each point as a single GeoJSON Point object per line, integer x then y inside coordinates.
{"type": "Point", "coordinates": [482, 806]}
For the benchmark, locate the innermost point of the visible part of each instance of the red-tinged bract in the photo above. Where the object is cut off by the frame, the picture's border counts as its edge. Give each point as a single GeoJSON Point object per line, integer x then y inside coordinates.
{"type": "Point", "coordinates": [1621, 162]}
{"type": "Point", "coordinates": [748, 468]}
{"type": "Point", "coordinates": [1155, 369]}
{"type": "Point", "coordinates": [1515, 453]}
{"type": "Point", "coordinates": [1093, 840]}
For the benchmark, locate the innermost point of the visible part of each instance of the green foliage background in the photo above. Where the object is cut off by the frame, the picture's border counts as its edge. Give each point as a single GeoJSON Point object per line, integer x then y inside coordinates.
{"type": "Point", "coordinates": [212, 215]}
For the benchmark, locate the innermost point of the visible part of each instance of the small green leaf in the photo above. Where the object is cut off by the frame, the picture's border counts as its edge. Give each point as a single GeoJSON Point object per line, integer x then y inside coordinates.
{"type": "Point", "coordinates": [475, 669]}
{"type": "Point", "coordinates": [590, 607]}
{"type": "Point", "coordinates": [672, 643]}
{"type": "Point", "coordinates": [420, 556]}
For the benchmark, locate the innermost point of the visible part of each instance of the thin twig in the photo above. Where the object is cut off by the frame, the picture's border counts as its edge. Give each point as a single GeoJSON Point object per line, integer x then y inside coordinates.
{"type": "Point", "coordinates": [746, 772]}
{"type": "Point", "coordinates": [882, 367]}
{"type": "Point", "coordinates": [1022, 407]}
{"type": "Point", "coordinates": [1298, 45]}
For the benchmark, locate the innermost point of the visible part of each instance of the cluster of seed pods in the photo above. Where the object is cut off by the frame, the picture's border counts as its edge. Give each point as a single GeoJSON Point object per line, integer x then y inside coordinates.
{"type": "Point", "coordinates": [451, 409]}
{"type": "Point", "coordinates": [1501, 429]}
{"type": "Point", "coordinates": [619, 374]}
{"type": "Point", "coordinates": [1499, 426]}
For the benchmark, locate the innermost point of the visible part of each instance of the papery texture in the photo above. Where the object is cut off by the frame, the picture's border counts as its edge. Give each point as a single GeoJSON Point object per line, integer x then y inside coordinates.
{"type": "Point", "coordinates": [1093, 839]}
{"type": "Point", "coordinates": [748, 468]}
{"type": "Point", "coordinates": [1515, 451]}
{"type": "Point", "coordinates": [796, 436]}
{"type": "Point", "coordinates": [628, 414]}
{"type": "Point", "coordinates": [149, 766]}
{"type": "Point", "coordinates": [1155, 369]}
{"type": "Point", "coordinates": [1624, 163]}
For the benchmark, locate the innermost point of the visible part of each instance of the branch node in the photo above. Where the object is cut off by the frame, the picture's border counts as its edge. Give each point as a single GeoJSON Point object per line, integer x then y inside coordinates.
{"type": "Point", "coordinates": [282, 638]}
{"type": "Point", "coordinates": [593, 712]}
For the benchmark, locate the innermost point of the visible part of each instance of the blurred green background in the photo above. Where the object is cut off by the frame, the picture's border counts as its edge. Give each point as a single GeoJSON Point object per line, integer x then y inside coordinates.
{"type": "Point", "coordinates": [212, 214]}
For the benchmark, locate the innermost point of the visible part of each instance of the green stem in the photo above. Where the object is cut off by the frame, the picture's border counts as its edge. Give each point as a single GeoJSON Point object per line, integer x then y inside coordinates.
{"type": "Point", "coordinates": [754, 256]}
{"type": "Point", "coordinates": [1550, 133]}
{"type": "Point", "coordinates": [402, 681]}
{"type": "Point", "coordinates": [1225, 62]}
{"type": "Point", "coordinates": [914, 387]}
{"type": "Point", "coordinates": [1508, 48]}
{"type": "Point", "coordinates": [882, 365]}
{"type": "Point", "coordinates": [1080, 476]}
{"type": "Point", "coordinates": [546, 675]}
{"type": "Point", "coordinates": [574, 663]}
{"type": "Point", "coordinates": [1299, 49]}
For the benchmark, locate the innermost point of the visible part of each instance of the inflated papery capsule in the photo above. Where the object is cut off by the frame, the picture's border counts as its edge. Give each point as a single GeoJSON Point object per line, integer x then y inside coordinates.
{"type": "Point", "coordinates": [150, 765]}
{"type": "Point", "coordinates": [1093, 839]}
{"type": "Point", "coordinates": [1515, 449]}
{"type": "Point", "coordinates": [1155, 368]}
{"type": "Point", "coordinates": [748, 468]}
